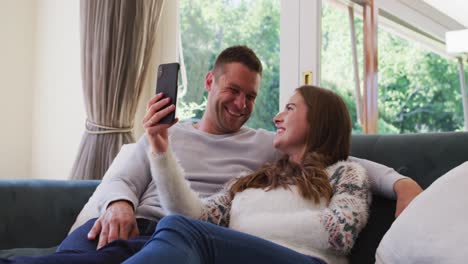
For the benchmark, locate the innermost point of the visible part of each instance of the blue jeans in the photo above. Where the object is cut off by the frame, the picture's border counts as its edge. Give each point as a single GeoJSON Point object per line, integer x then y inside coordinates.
{"type": "Point", "coordinates": [77, 249]}
{"type": "Point", "coordinates": [114, 252]}
{"type": "Point", "coordinates": [180, 240]}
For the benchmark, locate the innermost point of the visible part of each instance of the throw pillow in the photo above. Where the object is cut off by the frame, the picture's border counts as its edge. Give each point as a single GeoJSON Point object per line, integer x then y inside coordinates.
{"type": "Point", "coordinates": [434, 227]}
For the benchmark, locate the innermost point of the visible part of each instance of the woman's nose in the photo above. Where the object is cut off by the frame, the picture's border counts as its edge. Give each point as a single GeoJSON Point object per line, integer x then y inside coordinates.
{"type": "Point", "coordinates": [277, 119]}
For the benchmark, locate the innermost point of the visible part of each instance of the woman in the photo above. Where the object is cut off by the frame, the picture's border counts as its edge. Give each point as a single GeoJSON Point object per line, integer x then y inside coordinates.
{"type": "Point", "coordinates": [308, 207]}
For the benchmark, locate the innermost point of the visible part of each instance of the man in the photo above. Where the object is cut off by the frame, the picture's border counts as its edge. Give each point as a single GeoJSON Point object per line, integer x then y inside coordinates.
{"type": "Point", "coordinates": [212, 151]}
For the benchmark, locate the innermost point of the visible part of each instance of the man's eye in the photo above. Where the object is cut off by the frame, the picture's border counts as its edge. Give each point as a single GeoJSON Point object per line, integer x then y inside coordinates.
{"type": "Point", "coordinates": [251, 98]}
{"type": "Point", "coordinates": [234, 91]}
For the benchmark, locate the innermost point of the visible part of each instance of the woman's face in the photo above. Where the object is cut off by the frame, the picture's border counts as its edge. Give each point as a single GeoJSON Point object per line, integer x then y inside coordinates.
{"type": "Point", "coordinates": [292, 128]}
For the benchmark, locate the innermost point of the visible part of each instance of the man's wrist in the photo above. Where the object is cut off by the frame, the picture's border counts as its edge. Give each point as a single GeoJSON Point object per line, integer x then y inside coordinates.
{"type": "Point", "coordinates": [121, 202]}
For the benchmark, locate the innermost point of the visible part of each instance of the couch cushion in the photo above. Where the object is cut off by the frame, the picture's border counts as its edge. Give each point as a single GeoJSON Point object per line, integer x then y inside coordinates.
{"type": "Point", "coordinates": [433, 227]}
{"type": "Point", "coordinates": [38, 213]}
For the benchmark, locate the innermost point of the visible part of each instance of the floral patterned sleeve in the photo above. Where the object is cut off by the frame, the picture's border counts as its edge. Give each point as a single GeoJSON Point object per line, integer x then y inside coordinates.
{"type": "Point", "coordinates": [217, 209]}
{"type": "Point", "coordinates": [348, 210]}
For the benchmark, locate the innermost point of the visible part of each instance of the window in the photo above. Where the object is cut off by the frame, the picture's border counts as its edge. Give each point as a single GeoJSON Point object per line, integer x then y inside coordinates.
{"type": "Point", "coordinates": [336, 56]}
{"type": "Point", "coordinates": [418, 89]}
{"type": "Point", "coordinates": [209, 26]}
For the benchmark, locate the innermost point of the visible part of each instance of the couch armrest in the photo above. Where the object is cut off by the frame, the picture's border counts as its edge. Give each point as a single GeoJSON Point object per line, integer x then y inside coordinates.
{"type": "Point", "coordinates": [39, 213]}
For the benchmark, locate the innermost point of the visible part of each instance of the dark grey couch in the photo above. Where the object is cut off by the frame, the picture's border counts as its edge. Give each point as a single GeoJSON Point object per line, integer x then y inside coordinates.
{"type": "Point", "coordinates": [38, 213]}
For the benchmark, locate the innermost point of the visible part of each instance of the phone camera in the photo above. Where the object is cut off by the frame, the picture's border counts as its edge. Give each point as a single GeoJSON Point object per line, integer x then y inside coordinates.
{"type": "Point", "coordinates": [160, 72]}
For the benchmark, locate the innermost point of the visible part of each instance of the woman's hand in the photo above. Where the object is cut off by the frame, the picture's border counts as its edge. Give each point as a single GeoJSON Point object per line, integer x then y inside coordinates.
{"type": "Point", "coordinates": [157, 133]}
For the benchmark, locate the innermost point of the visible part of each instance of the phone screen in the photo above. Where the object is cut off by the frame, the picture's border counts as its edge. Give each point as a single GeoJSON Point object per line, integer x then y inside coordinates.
{"type": "Point", "coordinates": [167, 84]}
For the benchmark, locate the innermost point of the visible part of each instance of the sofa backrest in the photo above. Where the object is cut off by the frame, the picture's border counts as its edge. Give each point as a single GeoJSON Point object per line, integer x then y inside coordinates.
{"type": "Point", "coordinates": [39, 213]}
{"type": "Point", "coordinates": [423, 157]}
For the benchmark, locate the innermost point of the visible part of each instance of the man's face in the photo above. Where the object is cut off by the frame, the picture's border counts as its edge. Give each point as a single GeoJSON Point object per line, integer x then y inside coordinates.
{"type": "Point", "coordinates": [231, 97]}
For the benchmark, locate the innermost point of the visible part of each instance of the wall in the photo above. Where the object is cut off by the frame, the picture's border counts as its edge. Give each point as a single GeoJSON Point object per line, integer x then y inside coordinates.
{"type": "Point", "coordinates": [17, 31]}
{"type": "Point", "coordinates": [58, 114]}
{"type": "Point", "coordinates": [41, 107]}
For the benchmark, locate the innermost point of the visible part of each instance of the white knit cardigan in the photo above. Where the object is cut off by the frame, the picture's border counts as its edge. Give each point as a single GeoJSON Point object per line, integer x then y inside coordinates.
{"type": "Point", "coordinates": [283, 216]}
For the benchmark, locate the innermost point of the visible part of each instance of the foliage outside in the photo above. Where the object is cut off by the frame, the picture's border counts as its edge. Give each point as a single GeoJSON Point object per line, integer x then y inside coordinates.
{"type": "Point", "coordinates": [419, 91]}
{"type": "Point", "coordinates": [209, 26]}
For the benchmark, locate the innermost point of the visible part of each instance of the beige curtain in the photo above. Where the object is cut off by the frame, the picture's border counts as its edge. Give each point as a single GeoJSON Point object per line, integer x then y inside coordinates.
{"type": "Point", "coordinates": [117, 39]}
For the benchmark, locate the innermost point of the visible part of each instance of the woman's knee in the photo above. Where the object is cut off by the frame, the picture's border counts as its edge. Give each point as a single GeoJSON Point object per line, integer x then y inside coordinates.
{"type": "Point", "coordinates": [174, 220]}
{"type": "Point", "coordinates": [183, 226]}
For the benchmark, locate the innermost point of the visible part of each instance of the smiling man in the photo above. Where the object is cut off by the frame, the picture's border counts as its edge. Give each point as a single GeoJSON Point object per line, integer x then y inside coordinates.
{"type": "Point", "coordinates": [232, 88]}
{"type": "Point", "coordinates": [211, 152]}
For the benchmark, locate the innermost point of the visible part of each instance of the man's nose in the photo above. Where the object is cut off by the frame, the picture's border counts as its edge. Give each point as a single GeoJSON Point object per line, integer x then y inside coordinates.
{"type": "Point", "coordinates": [241, 101]}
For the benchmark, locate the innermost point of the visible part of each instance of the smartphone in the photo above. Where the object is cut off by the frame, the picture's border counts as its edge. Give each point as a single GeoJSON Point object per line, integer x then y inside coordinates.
{"type": "Point", "coordinates": [167, 84]}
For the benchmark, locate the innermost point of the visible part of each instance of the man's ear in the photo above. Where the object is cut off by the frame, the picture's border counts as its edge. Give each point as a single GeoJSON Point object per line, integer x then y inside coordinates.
{"type": "Point", "coordinates": [209, 80]}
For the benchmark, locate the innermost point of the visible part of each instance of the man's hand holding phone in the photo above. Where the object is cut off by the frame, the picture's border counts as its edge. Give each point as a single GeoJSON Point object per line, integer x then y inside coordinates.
{"type": "Point", "coordinates": [158, 108]}
{"type": "Point", "coordinates": [160, 114]}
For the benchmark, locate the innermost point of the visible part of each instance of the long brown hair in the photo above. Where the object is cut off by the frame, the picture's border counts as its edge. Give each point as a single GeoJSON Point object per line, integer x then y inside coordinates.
{"type": "Point", "coordinates": [328, 141]}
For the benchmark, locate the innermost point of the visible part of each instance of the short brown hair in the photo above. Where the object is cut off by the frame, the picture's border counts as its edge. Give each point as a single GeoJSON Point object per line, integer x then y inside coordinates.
{"type": "Point", "coordinates": [240, 54]}
{"type": "Point", "coordinates": [327, 142]}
